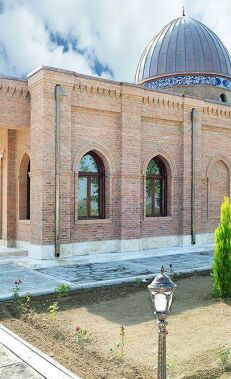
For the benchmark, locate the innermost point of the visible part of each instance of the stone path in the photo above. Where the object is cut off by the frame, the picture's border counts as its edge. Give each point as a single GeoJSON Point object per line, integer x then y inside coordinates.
{"type": "Point", "coordinates": [20, 360]}
{"type": "Point", "coordinates": [115, 268]}
{"type": "Point", "coordinates": [96, 272]}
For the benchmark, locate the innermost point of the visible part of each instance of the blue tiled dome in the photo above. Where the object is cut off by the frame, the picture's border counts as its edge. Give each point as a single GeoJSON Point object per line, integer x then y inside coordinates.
{"type": "Point", "coordinates": [184, 46]}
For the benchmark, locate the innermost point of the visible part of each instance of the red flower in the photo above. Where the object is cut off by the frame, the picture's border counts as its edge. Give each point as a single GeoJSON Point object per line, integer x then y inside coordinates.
{"type": "Point", "coordinates": [77, 329]}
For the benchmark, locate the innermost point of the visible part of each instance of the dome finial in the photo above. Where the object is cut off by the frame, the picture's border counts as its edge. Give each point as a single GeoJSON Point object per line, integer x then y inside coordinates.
{"type": "Point", "coordinates": [183, 11]}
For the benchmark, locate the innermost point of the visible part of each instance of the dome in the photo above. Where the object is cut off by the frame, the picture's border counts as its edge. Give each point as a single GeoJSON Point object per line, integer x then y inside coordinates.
{"type": "Point", "coordinates": [185, 48]}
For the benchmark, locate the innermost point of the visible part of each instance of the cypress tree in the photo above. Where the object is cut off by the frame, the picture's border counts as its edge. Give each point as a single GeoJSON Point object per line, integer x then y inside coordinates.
{"type": "Point", "coordinates": [221, 269]}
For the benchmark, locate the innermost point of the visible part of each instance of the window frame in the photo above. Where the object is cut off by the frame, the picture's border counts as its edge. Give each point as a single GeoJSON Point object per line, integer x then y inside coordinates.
{"type": "Point", "coordinates": [101, 178]}
{"type": "Point", "coordinates": [163, 178]}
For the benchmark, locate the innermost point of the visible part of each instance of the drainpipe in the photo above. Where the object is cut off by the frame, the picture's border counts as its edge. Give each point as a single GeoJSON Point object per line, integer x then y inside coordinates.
{"type": "Point", "coordinates": [193, 234]}
{"type": "Point", "coordinates": [59, 93]}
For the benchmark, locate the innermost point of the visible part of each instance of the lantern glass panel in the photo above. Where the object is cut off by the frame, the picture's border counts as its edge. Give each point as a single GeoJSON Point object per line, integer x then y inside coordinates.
{"type": "Point", "coordinates": [162, 301]}
{"type": "Point", "coordinates": [170, 296]}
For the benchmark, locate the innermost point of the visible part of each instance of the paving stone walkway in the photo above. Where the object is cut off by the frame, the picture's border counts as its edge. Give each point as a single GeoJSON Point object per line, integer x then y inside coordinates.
{"type": "Point", "coordinates": [96, 272]}
{"type": "Point", "coordinates": [83, 275]}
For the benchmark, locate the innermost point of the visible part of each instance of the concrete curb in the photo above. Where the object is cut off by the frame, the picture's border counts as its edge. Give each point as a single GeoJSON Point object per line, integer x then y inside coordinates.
{"type": "Point", "coordinates": [33, 357]}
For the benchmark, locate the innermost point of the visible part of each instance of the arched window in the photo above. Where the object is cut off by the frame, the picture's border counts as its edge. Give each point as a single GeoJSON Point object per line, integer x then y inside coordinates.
{"type": "Point", "coordinates": [28, 193]}
{"type": "Point", "coordinates": [223, 98]}
{"type": "Point", "coordinates": [91, 187]}
{"type": "Point", "coordinates": [24, 188]}
{"type": "Point", "coordinates": [156, 188]}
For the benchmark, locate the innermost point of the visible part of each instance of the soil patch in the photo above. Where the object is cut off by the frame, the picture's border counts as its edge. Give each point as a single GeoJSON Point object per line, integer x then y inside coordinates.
{"type": "Point", "coordinates": [199, 325]}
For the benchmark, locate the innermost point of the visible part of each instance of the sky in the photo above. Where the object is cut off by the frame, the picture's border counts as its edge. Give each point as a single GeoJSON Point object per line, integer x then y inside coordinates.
{"type": "Point", "coordinates": [94, 37]}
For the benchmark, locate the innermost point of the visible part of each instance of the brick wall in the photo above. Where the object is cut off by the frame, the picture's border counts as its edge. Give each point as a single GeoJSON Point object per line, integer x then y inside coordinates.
{"type": "Point", "coordinates": [126, 126]}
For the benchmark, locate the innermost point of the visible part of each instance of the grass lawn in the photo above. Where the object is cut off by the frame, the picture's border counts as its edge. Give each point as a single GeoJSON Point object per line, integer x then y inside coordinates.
{"type": "Point", "coordinates": [198, 325]}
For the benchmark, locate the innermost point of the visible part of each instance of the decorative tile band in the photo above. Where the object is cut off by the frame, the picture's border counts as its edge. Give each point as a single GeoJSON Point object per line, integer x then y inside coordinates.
{"type": "Point", "coordinates": [189, 80]}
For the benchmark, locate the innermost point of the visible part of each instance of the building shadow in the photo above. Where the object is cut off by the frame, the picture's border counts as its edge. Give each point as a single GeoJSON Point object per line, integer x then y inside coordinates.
{"type": "Point", "coordinates": [127, 304]}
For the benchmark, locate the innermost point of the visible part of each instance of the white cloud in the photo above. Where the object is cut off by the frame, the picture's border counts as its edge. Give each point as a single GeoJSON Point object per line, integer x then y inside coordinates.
{"type": "Point", "coordinates": [116, 30]}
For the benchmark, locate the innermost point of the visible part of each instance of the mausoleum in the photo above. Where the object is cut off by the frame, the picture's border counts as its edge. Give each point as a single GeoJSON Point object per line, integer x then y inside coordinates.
{"type": "Point", "coordinates": [89, 165]}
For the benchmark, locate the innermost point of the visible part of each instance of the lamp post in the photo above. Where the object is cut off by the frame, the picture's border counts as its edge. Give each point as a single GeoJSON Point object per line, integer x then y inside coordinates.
{"type": "Point", "coordinates": [162, 289]}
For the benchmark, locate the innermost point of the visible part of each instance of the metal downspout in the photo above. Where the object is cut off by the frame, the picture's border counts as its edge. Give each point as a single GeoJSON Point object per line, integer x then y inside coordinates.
{"type": "Point", "coordinates": [59, 93]}
{"type": "Point", "coordinates": [193, 235]}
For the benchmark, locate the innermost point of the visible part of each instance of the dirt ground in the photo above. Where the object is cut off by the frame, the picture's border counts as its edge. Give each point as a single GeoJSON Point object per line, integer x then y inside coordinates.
{"type": "Point", "coordinates": [198, 326]}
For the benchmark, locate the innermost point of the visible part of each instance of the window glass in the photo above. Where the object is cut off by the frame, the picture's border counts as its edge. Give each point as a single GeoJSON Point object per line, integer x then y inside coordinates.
{"type": "Point", "coordinates": [88, 164]}
{"type": "Point", "coordinates": [153, 168]}
{"type": "Point", "coordinates": [148, 197]}
{"type": "Point", "coordinates": [156, 181]}
{"type": "Point", "coordinates": [95, 197]}
{"type": "Point", "coordinates": [82, 192]}
{"type": "Point", "coordinates": [91, 187]}
{"type": "Point", "coordinates": [158, 197]}
{"type": "Point", "coordinates": [24, 188]}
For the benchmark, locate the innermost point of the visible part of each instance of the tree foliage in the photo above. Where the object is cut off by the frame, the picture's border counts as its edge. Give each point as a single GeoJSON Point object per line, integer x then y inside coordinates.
{"type": "Point", "coordinates": [221, 268]}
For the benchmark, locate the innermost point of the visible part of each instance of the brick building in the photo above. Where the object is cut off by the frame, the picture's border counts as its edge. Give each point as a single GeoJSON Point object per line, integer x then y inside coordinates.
{"type": "Point", "coordinates": [92, 165]}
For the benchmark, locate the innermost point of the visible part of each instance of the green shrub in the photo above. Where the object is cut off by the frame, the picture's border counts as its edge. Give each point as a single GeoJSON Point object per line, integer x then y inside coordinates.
{"type": "Point", "coordinates": [26, 311]}
{"type": "Point", "coordinates": [225, 356]}
{"type": "Point", "coordinates": [221, 269]}
{"type": "Point", "coordinates": [53, 310]}
{"type": "Point", "coordinates": [63, 290]}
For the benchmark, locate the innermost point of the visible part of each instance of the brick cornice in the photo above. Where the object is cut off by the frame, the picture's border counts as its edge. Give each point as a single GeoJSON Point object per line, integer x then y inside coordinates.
{"type": "Point", "coordinates": [14, 91]}
{"type": "Point", "coordinates": [217, 111]}
{"type": "Point", "coordinates": [98, 90]}
{"type": "Point", "coordinates": [162, 101]}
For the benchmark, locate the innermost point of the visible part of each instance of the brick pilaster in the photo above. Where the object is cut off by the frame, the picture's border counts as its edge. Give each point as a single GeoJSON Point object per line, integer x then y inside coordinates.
{"type": "Point", "coordinates": [186, 173]}
{"type": "Point", "coordinates": [9, 229]}
{"type": "Point", "coordinates": [130, 168]}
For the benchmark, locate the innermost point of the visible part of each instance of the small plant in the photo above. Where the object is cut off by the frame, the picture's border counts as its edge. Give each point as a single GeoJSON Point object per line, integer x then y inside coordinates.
{"type": "Point", "coordinates": [63, 289]}
{"type": "Point", "coordinates": [25, 307]}
{"type": "Point", "coordinates": [118, 349]}
{"type": "Point", "coordinates": [53, 309]}
{"type": "Point", "coordinates": [138, 280]}
{"type": "Point", "coordinates": [225, 356]}
{"type": "Point", "coordinates": [16, 290]}
{"type": "Point", "coordinates": [16, 296]}
{"type": "Point", "coordinates": [81, 335]}
{"type": "Point", "coordinates": [23, 304]}
{"type": "Point", "coordinates": [221, 269]}
{"type": "Point", "coordinates": [171, 364]}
